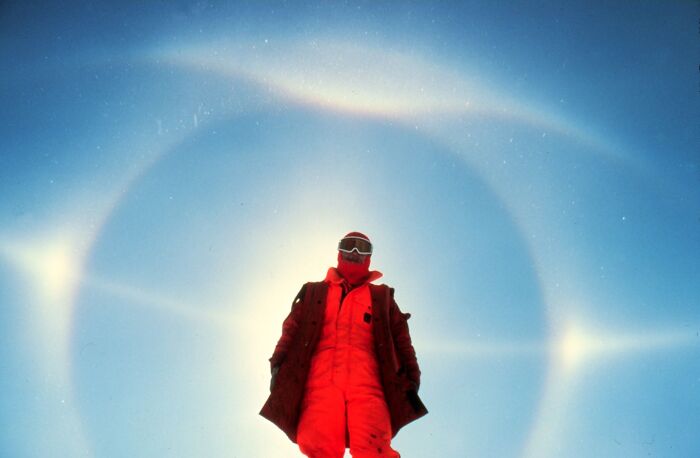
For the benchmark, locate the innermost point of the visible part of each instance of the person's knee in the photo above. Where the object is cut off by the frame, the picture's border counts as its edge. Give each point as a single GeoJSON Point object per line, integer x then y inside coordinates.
{"type": "Point", "coordinates": [317, 450]}
{"type": "Point", "coordinates": [378, 452]}
{"type": "Point", "coordinates": [315, 442]}
{"type": "Point", "coordinates": [369, 424]}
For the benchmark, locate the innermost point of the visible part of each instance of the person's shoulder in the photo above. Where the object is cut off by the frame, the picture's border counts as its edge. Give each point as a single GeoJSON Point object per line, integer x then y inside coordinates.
{"type": "Point", "coordinates": [381, 288]}
{"type": "Point", "coordinates": [309, 283]}
{"type": "Point", "coordinates": [314, 285]}
{"type": "Point", "coordinates": [382, 285]}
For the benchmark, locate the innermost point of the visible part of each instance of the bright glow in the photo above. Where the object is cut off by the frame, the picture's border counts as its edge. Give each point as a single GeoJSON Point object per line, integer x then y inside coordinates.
{"type": "Point", "coordinates": [52, 262]}
{"type": "Point", "coordinates": [579, 345]}
{"type": "Point", "coordinates": [574, 347]}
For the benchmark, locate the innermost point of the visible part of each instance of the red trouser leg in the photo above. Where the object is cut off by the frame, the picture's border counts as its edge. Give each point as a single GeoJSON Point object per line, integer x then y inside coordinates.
{"type": "Point", "coordinates": [321, 430]}
{"type": "Point", "coordinates": [369, 424]}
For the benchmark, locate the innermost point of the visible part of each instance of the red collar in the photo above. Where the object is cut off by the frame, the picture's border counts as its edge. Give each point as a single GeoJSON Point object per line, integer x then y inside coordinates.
{"type": "Point", "coordinates": [332, 276]}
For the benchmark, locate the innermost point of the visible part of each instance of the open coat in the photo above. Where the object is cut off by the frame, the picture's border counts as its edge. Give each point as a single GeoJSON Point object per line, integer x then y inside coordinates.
{"type": "Point", "coordinates": [398, 367]}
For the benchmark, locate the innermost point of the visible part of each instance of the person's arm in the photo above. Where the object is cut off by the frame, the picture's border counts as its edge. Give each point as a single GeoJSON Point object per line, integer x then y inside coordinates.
{"type": "Point", "coordinates": [289, 329]}
{"type": "Point", "coordinates": [402, 342]}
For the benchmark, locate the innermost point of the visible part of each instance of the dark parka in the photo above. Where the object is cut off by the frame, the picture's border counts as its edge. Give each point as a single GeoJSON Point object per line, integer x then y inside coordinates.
{"type": "Point", "coordinates": [399, 372]}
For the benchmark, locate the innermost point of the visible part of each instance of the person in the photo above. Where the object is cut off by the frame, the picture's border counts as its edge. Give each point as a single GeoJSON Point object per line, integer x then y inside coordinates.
{"type": "Point", "coordinates": [344, 371]}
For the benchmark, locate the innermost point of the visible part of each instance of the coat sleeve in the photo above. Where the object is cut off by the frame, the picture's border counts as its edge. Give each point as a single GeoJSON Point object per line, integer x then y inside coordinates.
{"type": "Point", "coordinates": [402, 342]}
{"type": "Point", "coordinates": [289, 329]}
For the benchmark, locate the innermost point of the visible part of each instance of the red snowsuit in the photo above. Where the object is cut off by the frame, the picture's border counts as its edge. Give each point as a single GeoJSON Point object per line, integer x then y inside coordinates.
{"type": "Point", "coordinates": [300, 347]}
{"type": "Point", "coordinates": [344, 395]}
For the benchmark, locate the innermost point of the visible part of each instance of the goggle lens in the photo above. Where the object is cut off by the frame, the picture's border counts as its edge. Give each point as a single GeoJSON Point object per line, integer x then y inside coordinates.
{"type": "Point", "coordinates": [350, 244]}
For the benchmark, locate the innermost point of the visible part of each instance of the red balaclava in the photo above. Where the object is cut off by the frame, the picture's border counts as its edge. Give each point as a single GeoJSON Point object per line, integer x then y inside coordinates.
{"type": "Point", "coordinates": [354, 272]}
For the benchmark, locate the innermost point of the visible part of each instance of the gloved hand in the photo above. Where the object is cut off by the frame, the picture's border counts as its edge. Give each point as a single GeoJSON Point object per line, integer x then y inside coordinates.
{"type": "Point", "coordinates": [274, 370]}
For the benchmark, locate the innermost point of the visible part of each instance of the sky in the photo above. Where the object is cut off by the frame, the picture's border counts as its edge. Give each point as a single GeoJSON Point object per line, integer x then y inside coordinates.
{"type": "Point", "coordinates": [172, 172]}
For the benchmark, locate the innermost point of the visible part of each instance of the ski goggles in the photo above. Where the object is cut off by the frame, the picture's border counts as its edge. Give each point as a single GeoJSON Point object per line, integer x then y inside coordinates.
{"type": "Point", "coordinates": [350, 244]}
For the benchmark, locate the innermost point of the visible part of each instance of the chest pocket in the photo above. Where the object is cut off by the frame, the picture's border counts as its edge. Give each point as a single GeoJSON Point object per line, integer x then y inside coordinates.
{"type": "Point", "coordinates": [362, 321]}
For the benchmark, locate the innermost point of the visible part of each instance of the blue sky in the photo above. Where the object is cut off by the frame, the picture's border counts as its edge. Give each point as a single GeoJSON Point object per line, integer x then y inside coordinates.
{"type": "Point", "coordinates": [172, 172]}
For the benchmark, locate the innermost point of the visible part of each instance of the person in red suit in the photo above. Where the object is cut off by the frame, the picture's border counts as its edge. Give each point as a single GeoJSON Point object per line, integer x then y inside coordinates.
{"type": "Point", "coordinates": [344, 371]}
